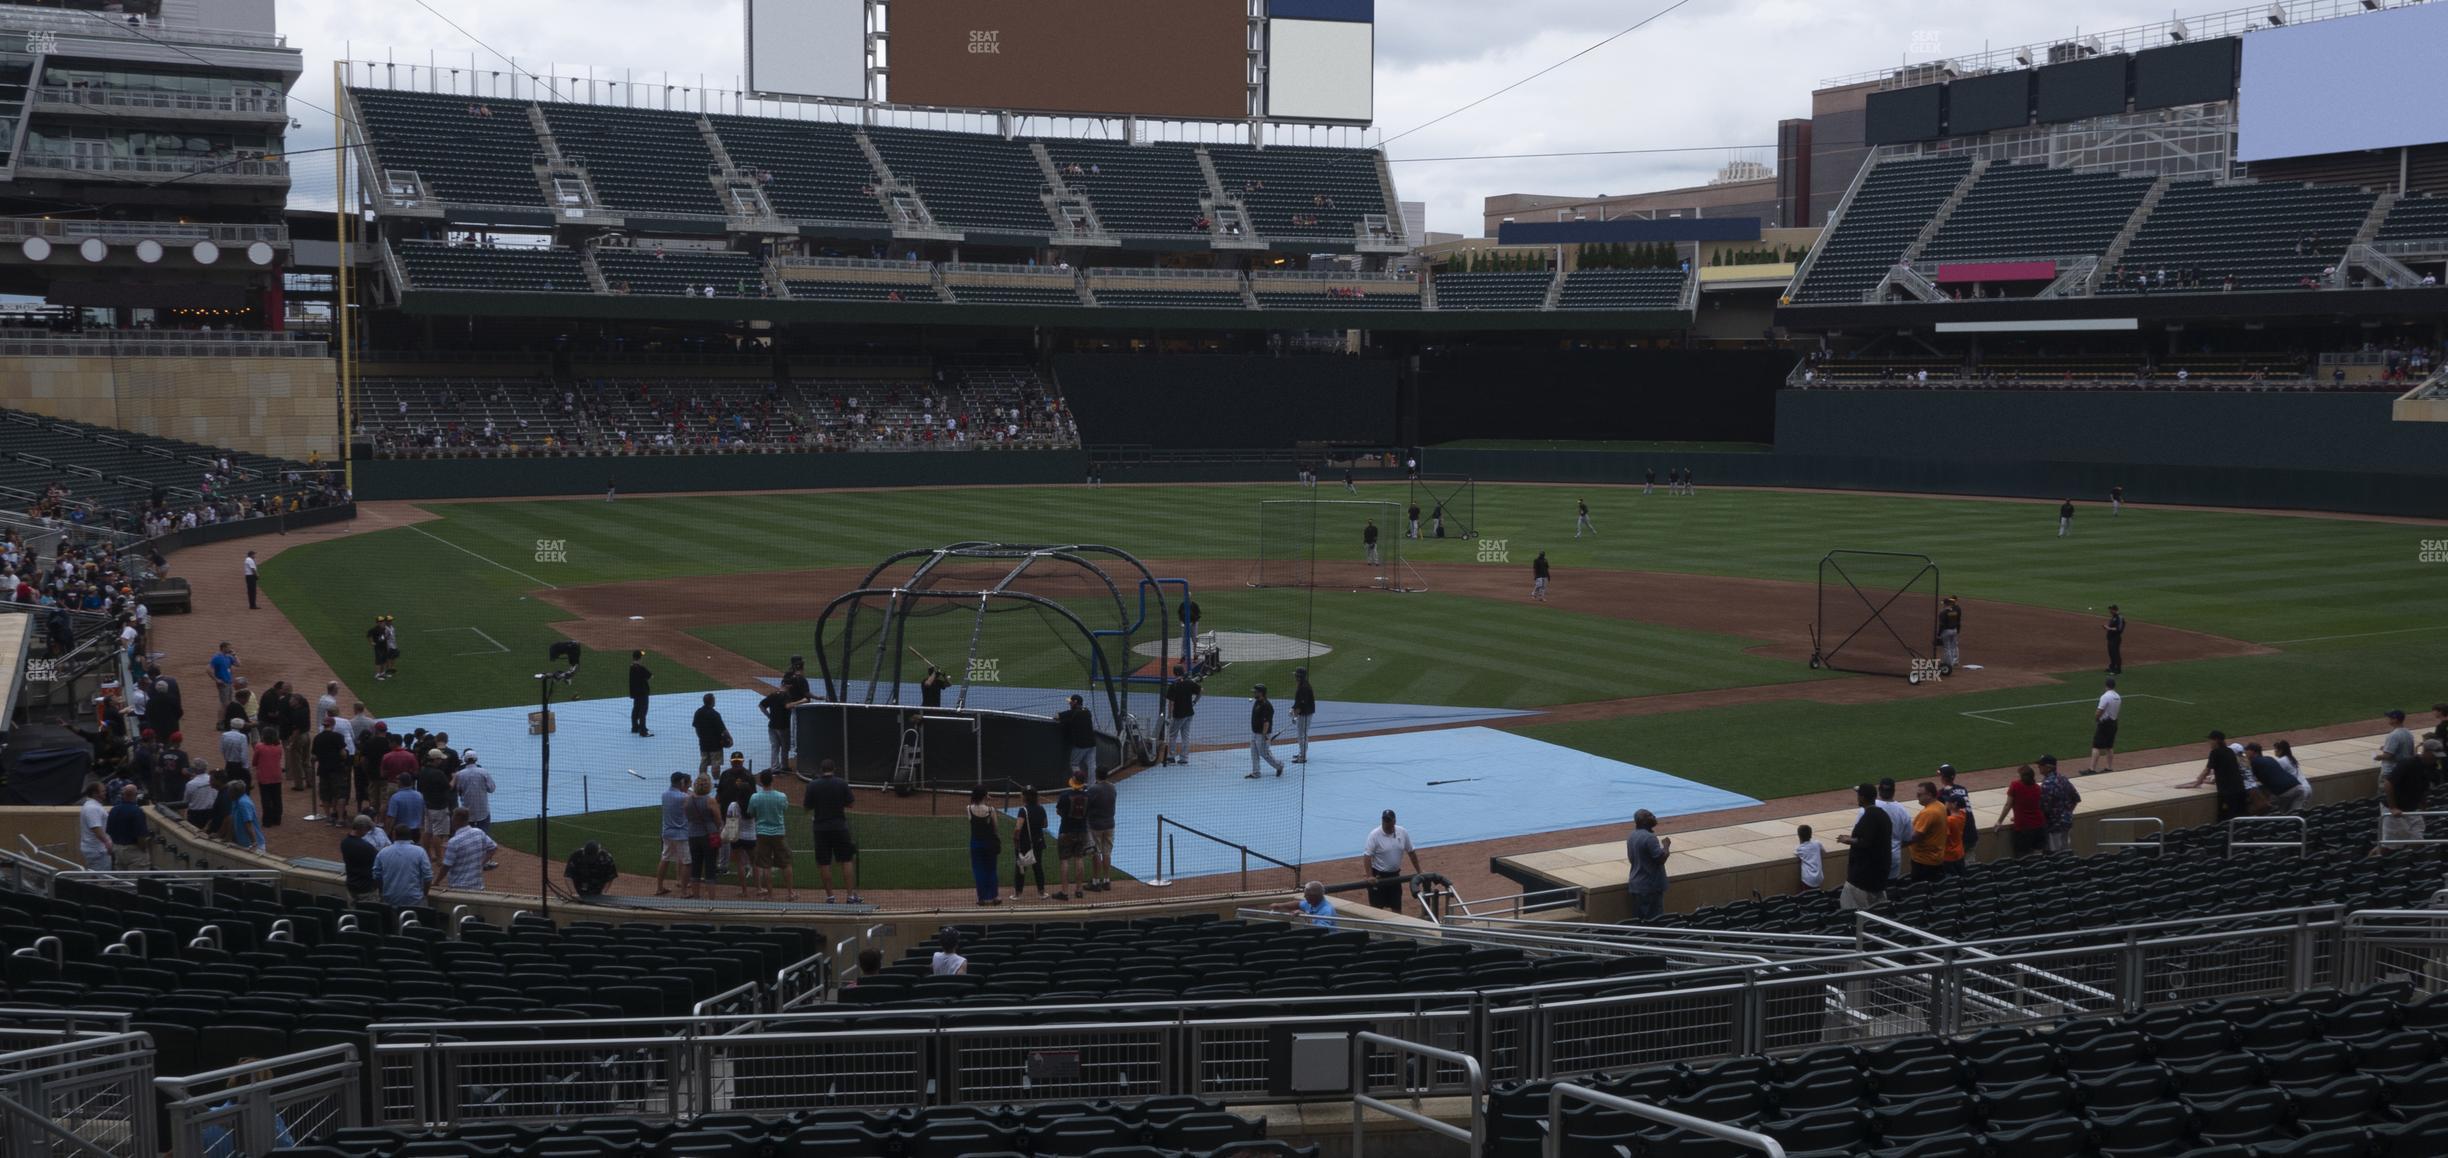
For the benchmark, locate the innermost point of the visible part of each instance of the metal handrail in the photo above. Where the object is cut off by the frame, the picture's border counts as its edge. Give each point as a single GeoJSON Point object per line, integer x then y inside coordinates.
{"type": "Point", "coordinates": [1506, 938]}
{"type": "Point", "coordinates": [1160, 880]}
{"type": "Point", "coordinates": [2303, 833]}
{"type": "Point", "coordinates": [1562, 1092]}
{"type": "Point", "coordinates": [2154, 840]}
{"type": "Point", "coordinates": [1475, 1135]}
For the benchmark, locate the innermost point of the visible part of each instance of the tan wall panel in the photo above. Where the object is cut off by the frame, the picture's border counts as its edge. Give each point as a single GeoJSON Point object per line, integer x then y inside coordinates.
{"type": "Point", "coordinates": [284, 407]}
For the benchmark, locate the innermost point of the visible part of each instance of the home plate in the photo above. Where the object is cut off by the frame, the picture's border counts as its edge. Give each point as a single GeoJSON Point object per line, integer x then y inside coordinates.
{"type": "Point", "coordinates": [1250, 646]}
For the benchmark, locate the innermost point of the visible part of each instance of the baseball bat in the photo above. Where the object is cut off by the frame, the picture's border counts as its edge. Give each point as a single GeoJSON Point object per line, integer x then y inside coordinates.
{"type": "Point", "coordinates": [922, 658]}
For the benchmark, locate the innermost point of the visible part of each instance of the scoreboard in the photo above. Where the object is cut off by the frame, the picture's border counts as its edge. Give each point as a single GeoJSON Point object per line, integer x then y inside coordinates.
{"type": "Point", "coordinates": [1310, 61]}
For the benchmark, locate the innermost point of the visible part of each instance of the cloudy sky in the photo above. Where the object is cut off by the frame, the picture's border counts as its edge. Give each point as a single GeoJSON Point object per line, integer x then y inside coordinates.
{"type": "Point", "coordinates": [1713, 74]}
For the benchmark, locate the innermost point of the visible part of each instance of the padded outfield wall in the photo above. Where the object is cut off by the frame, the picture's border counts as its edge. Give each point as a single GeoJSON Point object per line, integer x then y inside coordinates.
{"type": "Point", "coordinates": [1649, 395]}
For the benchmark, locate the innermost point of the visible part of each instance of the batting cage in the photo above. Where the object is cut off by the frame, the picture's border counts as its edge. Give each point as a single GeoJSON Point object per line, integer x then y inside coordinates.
{"type": "Point", "coordinates": [1006, 633]}
{"type": "Point", "coordinates": [1878, 615]}
{"type": "Point", "coordinates": [1448, 505]}
{"type": "Point", "coordinates": [1347, 543]}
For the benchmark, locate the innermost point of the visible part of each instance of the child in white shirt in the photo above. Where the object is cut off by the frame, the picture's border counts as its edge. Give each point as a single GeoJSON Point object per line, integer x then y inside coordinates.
{"type": "Point", "coordinates": [1808, 852]}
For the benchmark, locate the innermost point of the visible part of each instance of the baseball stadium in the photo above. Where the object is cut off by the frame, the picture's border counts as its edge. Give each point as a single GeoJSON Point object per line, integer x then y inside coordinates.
{"type": "Point", "coordinates": [973, 589]}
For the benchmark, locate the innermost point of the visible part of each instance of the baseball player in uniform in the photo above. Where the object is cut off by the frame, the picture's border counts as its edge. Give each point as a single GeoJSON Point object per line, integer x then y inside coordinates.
{"type": "Point", "coordinates": [1304, 705]}
{"type": "Point", "coordinates": [1649, 481]}
{"type": "Point", "coordinates": [1950, 629]}
{"type": "Point", "coordinates": [1181, 703]}
{"type": "Point", "coordinates": [1538, 577]}
{"type": "Point", "coordinates": [1262, 724]}
{"type": "Point", "coordinates": [2065, 518]}
{"type": "Point", "coordinates": [1415, 520]}
{"type": "Point", "coordinates": [1348, 485]}
{"type": "Point", "coordinates": [1581, 522]}
{"type": "Point", "coordinates": [2115, 628]}
{"type": "Point", "coordinates": [2116, 500]}
{"type": "Point", "coordinates": [641, 681]}
{"type": "Point", "coordinates": [1368, 540]}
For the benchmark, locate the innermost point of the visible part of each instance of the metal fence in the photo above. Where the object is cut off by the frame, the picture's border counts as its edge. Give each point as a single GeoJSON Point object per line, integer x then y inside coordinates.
{"type": "Point", "coordinates": [257, 1106]}
{"type": "Point", "coordinates": [79, 1095]}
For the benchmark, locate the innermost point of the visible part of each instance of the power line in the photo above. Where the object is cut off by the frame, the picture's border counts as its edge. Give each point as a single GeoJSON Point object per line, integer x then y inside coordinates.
{"type": "Point", "coordinates": [1644, 22]}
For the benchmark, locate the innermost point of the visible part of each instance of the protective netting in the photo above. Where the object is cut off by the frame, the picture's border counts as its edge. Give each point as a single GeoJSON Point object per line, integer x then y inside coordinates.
{"type": "Point", "coordinates": [1448, 506]}
{"type": "Point", "coordinates": [1878, 614]}
{"type": "Point", "coordinates": [1329, 543]}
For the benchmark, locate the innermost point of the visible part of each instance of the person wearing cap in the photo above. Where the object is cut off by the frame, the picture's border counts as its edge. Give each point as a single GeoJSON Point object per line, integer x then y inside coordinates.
{"type": "Point", "coordinates": [1381, 854]}
{"type": "Point", "coordinates": [713, 736]}
{"type": "Point", "coordinates": [1262, 727]}
{"type": "Point", "coordinates": [1304, 706]}
{"type": "Point", "coordinates": [380, 637]}
{"type": "Point", "coordinates": [249, 566]}
{"type": "Point", "coordinates": [2115, 628]}
{"type": "Point", "coordinates": [2397, 747]}
{"type": "Point", "coordinates": [1102, 799]}
{"type": "Point", "coordinates": [2439, 729]}
{"type": "Point", "coordinates": [357, 854]}
{"type": "Point", "coordinates": [2224, 771]}
{"type": "Point", "coordinates": [2065, 518]}
{"type": "Point", "coordinates": [474, 787]}
{"type": "Point", "coordinates": [1368, 535]}
{"type": "Point", "coordinates": [1867, 869]}
{"type": "Point", "coordinates": [1181, 698]}
{"type": "Point", "coordinates": [1540, 572]}
{"type": "Point", "coordinates": [1950, 630]}
{"type": "Point", "coordinates": [1071, 839]}
{"type": "Point", "coordinates": [1079, 738]}
{"type": "Point", "coordinates": [2104, 729]}
{"type": "Point", "coordinates": [931, 688]}
{"type": "Point", "coordinates": [641, 679]}
{"type": "Point", "coordinates": [2058, 796]}
{"type": "Point", "coordinates": [1957, 797]}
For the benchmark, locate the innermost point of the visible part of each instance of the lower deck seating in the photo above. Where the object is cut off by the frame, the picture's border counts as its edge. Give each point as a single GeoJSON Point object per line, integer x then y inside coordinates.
{"type": "Point", "coordinates": [432, 265]}
{"type": "Point", "coordinates": [1227, 299]}
{"type": "Point", "coordinates": [1167, 1127]}
{"type": "Point", "coordinates": [1017, 295]}
{"type": "Point", "coordinates": [1622, 289]}
{"type": "Point", "coordinates": [1492, 291]}
{"type": "Point", "coordinates": [814, 290]}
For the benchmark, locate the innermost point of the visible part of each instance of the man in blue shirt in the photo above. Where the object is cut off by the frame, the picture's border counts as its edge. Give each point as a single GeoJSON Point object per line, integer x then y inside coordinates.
{"type": "Point", "coordinates": [402, 870]}
{"type": "Point", "coordinates": [407, 808]}
{"type": "Point", "coordinates": [128, 831]}
{"type": "Point", "coordinates": [1313, 905]}
{"type": "Point", "coordinates": [770, 809]}
{"type": "Point", "coordinates": [244, 825]}
{"type": "Point", "coordinates": [675, 834]}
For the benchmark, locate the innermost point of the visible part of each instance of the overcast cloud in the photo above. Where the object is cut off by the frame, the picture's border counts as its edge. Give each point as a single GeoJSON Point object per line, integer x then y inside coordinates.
{"type": "Point", "coordinates": [1715, 73]}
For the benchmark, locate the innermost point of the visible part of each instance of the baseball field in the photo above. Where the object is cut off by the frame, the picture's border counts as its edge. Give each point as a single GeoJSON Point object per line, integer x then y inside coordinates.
{"type": "Point", "coordinates": [1675, 638]}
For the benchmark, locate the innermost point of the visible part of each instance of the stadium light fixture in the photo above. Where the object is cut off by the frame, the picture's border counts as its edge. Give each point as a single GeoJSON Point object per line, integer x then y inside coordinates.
{"type": "Point", "coordinates": [2177, 30]}
{"type": "Point", "coordinates": [2277, 14]}
{"type": "Point", "coordinates": [2023, 57]}
{"type": "Point", "coordinates": [2371, 5]}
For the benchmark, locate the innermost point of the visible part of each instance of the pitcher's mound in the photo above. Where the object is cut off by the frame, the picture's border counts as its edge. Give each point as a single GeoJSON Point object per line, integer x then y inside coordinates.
{"type": "Point", "coordinates": [1254, 647]}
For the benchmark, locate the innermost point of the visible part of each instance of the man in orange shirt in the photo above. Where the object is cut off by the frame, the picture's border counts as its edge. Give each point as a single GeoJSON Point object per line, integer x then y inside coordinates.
{"type": "Point", "coordinates": [1929, 827]}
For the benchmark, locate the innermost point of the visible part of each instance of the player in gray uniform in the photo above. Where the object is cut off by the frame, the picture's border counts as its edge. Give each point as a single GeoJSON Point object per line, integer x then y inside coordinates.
{"type": "Point", "coordinates": [1181, 703]}
{"type": "Point", "coordinates": [1262, 727]}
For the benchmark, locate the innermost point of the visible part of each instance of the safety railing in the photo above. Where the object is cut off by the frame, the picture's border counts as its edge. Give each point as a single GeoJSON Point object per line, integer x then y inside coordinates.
{"type": "Point", "coordinates": [2412, 828]}
{"type": "Point", "coordinates": [1669, 939]}
{"type": "Point", "coordinates": [1562, 1092]}
{"type": "Point", "coordinates": [261, 105]}
{"type": "Point", "coordinates": [116, 26]}
{"type": "Point", "coordinates": [257, 1106]}
{"type": "Point", "coordinates": [2384, 944]}
{"type": "Point", "coordinates": [187, 166]}
{"type": "Point", "coordinates": [804, 982]}
{"type": "Point", "coordinates": [89, 1095]}
{"type": "Point", "coordinates": [1517, 905]}
{"type": "Point", "coordinates": [1164, 855]}
{"type": "Point", "coordinates": [2302, 830]}
{"type": "Point", "coordinates": [1416, 1083]}
{"type": "Point", "coordinates": [202, 880]}
{"type": "Point", "coordinates": [2154, 840]}
{"type": "Point", "coordinates": [69, 229]}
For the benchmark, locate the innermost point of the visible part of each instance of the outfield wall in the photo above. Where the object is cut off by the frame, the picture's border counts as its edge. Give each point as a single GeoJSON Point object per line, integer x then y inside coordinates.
{"type": "Point", "coordinates": [1651, 395]}
{"type": "Point", "coordinates": [1205, 401]}
{"type": "Point", "coordinates": [2224, 431]}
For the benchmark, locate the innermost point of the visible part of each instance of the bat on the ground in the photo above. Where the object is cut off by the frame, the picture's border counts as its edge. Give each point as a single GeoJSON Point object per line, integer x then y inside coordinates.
{"type": "Point", "coordinates": [1461, 780]}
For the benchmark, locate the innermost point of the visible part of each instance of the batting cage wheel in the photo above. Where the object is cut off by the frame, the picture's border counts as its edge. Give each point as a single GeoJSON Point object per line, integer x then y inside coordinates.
{"type": "Point", "coordinates": [1871, 606]}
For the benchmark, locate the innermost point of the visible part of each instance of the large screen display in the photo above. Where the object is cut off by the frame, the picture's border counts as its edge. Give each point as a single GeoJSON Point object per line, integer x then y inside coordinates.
{"type": "Point", "coordinates": [2081, 89]}
{"type": "Point", "coordinates": [1177, 58]}
{"type": "Point", "coordinates": [1320, 70]}
{"type": "Point", "coordinates": [2372, 81]}
{"type": "Point", "coordinates": [1905, 114]}
{"type": "Point", "coordinates": [1985, 104]}
{"type": "Point", "coordinates": [808, 48]}
{"type": "Point", "coordinates": [2185, 74]}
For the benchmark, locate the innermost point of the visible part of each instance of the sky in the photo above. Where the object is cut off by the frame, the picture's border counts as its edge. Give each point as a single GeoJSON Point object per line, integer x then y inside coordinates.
{"type": "Point", "coordinates": [1711, 76]}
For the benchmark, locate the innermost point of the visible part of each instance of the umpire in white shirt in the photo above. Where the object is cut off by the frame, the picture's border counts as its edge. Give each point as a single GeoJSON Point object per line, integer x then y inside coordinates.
{"type": "Point", "coordinates": [2104, 729]}
{"type": "Point", "coordinates": [1382, 855]}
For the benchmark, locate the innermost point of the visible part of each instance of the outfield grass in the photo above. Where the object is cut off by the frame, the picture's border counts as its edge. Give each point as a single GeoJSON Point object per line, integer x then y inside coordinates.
{"type": "Point", "coordinates": [2359, 620]}
{"type": "Point", "coordinates": [895, 852]}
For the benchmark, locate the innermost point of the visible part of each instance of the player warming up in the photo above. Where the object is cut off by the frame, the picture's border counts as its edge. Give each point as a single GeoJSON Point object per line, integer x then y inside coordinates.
{"type": "Point", "coordinates": [1950, 630]}
{"type": "Point", "coordinates": [1368, 541]}
{"type": "Point", "coordinates": [1304, 706]}
{"type": "Point", "coordinates": [1538, 577]}
{"type": "Point", "coordinates": [1581, 521]}
{"type": "Point", "coordinates": [1262, 728]}
{"type": "Point", "coordinates": [2065, 518]}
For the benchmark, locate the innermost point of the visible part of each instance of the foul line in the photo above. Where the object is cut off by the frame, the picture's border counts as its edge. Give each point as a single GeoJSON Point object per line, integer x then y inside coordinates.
{"type": "Point", "coordinates": [2356, 635]}
{"type": "Point", "coordinates": [1983, 713]}
{"type": "Point", "coordinates": [474, 555]}
{"type": "Point", "coordinates": [498, 649]}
